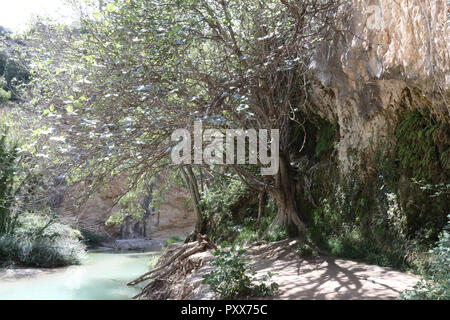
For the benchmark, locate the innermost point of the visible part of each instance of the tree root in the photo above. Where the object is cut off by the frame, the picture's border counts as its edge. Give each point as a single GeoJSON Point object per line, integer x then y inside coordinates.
{"type": "Point", "coordinates": [161, 273]}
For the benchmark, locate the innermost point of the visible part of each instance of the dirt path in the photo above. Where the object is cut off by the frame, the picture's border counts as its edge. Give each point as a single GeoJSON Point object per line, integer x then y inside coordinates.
{"type": "Point", "coordinates": [327, 277]}
{"type": "Point", "coordinates": [298, 278]}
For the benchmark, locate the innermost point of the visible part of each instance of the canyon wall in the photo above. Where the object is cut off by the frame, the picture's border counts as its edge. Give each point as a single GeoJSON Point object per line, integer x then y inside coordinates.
{"type": "Point", "coordinates": [173, 216]}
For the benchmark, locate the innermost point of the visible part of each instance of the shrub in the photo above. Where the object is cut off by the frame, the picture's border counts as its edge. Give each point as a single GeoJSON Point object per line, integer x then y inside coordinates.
{"type": "Point", "coordinates": [15, 74]}
{"type": "Point", "coordinates": [39, 241]}
{"type": "Point", "coordinates": [276, 234]}
{"type": "Point", "coordinates": [8, 168]}
{"type": "Point", "coordinates": [172, 240]}
{"type": "Point", "coordinates": [436, 283]}
{"type": "Point", "coordinates": [43, 253]}
{"type": "Point", "coordinates": [231, 279]}
{"type": "Point", "coordinates": [3, 59]}
{"type": "Point", "coordinates": [4, 96]}
{"type": "Point", "coordinates": [29, 234]}
{"type": "Point", "coordinates": [232, 211]}
{"type": "Point", "coordinates": [326, 138]}
{"type": "Point", "coordinates": [227, 204]}
{"type": "Point", "coordinates": [423, 146]}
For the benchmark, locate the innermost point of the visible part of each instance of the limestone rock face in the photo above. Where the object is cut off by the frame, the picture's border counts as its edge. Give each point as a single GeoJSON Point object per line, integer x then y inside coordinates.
{"type": "Point", "coordinates": [92, 214]}
{"type": "Point", "coordinates": [174, 217]}
{"type": "Point", "coordinates": [395, 55]}
{"type": "Point", "coordinates": [411, 37]}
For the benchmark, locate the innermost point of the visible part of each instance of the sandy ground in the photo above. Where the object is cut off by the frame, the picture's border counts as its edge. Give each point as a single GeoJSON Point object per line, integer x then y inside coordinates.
{"type": "Point", "coordinates": [327, 277]}
{"type": "Point", "coordinates": [315, 278]}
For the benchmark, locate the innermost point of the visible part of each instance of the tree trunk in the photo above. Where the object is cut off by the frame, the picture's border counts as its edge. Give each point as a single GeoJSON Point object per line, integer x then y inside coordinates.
{"type": "Point", "coordinates": [260, 209]}
{"type": "Point", "coordinates": [288, 214]}
{"type": "Point", "coordinates": [191, 181]}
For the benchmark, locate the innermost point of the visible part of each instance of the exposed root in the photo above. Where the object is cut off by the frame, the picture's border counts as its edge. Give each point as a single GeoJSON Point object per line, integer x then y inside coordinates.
{"type": "Point", "coordinates": [175, 264]}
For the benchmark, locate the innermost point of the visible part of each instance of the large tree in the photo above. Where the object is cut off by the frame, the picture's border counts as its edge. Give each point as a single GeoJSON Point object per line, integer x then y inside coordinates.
{"type": "Point", "coordinates": [140, 69]}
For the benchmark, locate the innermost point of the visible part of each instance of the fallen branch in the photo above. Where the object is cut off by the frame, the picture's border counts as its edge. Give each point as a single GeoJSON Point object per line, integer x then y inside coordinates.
{"type": "Point", "coordinates": [202, 244]}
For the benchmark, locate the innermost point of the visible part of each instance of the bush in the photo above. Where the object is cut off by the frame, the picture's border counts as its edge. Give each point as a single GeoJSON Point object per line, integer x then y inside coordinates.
{"type": "Point", "coordinates": [4, 96]}
{"type": "Point", "coordinates": [29, 235]}
{"type": "Point", "coordinates": [423, 146]}
{"type": "Point", "coordinates": [3, 59]}
{"type": "Point", "coordinates": [278, 233]}
{"type": "Point", "coordinates": [172, 240]}
{"type": "Point", "coordinates": [227, 204]}
{"type": "Point", "coordinates": [40, 242]}
{"type": "Point", "coordinates": [231, 279]}
{"type": "Point", "coordinates": [15, 74]}
{"type": "Point", "coordinates": [8, 172]}
{"type": "Point", "coordinates": [43, 253]}
{"type": "Point", "coordinates": [43, 226]}
{"type": "Point", "coordinates": [436, 283]}
{"type": "Point", "coordinates": [232, 211]}
{"type": "Point", "coordinates": [363, 218]}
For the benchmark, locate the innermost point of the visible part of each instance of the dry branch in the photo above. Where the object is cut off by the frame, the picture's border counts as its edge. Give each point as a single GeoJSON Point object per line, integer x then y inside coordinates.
{"type": "Point", "coordinates": [175, 262]}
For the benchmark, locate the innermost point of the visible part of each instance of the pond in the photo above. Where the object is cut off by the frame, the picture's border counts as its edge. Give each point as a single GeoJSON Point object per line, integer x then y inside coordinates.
{"type": "Point", "coordinates": [103, 276]}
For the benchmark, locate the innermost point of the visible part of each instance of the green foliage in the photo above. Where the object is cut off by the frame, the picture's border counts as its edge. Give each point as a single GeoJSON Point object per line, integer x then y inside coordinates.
{"type": "Point", "coordinates": [358, 219]}
{"type": "Point", "coordinates": [232, 210]}
{"type": "Point", "coordinates": [171, 240]}
{"type": "Point", "coordinates": [436, 283]}
{"type": "Point", "coordinates": [35, 226]}
{"type": "Point", "coordinates": [231, 278]}
{"type": "Point", "coordinates": [422, 151]}
{"type": "Point", "coordinates": [383, 216]}
{"type": "Point", "coordinates": [28, 237]}
{"type": "Point", "coordinates": [42, 253]}
{"type": "Point", "coordinates": [8, 167]}
{"type": "Point", "coordinates": [15, 74]}
{"type": "Point", "coordinates": [131, 207]}
{"type": "Point", "coordinates": [436, 190]}
{"type": "Point", "coordinates": [4, 96]}
{"type": "Point", "coordinates": [326, 138]}
{"type": "Point", "coordinates": [224, 196]}
{"type": "Point", "coordinates": [225, 203]}
{"type": "Point", "coordinates": [40, 242]}
{"type": "Point", "coordinates": [278, 233]}
{"type": "Point", "coordinates": [18, 184]}
{"type": "Point", "coordinates": [2, 63]}
{"type": "Point", "coordinates": [423, 146]}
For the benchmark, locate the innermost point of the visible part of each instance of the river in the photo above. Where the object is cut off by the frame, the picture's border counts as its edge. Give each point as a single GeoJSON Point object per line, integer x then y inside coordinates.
{"type": "Point", "coordinates": [103, 276]}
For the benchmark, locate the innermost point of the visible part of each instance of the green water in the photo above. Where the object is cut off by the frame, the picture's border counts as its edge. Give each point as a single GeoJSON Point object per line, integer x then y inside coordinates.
{"type": "Point", "coordinates": [103, 276]}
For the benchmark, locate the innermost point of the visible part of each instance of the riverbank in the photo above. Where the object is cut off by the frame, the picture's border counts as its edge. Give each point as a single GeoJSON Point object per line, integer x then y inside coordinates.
{"type": "Point", "coordinates": [155, 244]}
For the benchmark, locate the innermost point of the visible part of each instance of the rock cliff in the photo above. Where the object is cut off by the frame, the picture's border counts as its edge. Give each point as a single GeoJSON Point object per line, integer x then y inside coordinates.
{"type": "Point", "coordinates": [394, 55]}
{"type": "Point", "coordinates": [173, 217]}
